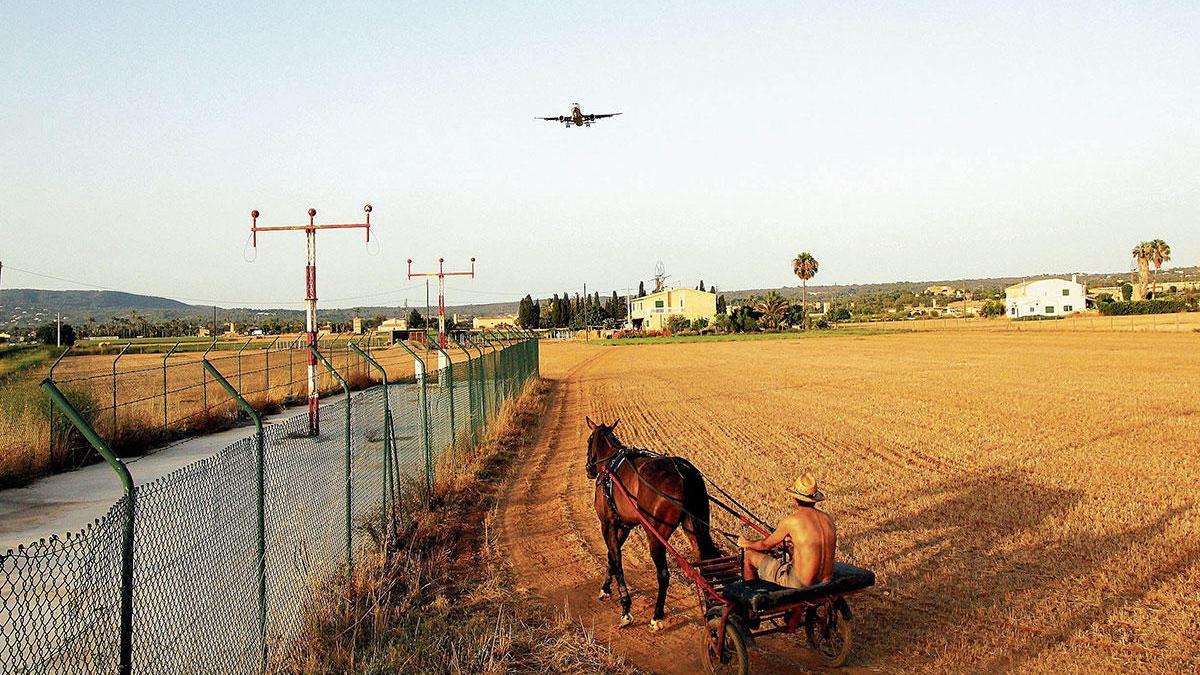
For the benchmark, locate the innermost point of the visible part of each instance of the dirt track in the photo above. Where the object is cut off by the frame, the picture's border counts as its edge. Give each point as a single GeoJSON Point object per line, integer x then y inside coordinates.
{"type": "Point", "coordinates": [553, 540]}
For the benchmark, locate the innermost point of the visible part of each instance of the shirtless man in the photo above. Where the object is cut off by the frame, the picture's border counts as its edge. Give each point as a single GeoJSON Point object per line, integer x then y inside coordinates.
{"type": "Point", "coordinates": [812, 538]}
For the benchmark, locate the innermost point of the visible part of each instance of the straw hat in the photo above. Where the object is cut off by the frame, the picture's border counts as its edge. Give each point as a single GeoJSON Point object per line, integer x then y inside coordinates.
{"type": "Point", "coordinates": [805, 489]}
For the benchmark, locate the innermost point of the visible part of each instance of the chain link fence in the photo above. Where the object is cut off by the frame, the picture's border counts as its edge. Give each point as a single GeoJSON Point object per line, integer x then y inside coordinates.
{"type": "Point", "coordinates": [207, 569]}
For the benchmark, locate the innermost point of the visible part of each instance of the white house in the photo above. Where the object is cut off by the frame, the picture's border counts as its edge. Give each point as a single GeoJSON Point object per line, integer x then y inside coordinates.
{"type": "Point", "coordinates": [1045, 297]}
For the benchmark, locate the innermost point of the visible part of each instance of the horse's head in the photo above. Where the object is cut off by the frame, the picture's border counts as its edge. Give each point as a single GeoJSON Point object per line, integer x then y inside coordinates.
{"type": "Point", "coordinates": [602, 444]}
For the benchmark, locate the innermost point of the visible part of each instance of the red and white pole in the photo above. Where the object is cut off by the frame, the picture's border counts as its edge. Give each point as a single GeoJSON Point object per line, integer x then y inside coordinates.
{"type": "Point", "coordinates": [310, 324]}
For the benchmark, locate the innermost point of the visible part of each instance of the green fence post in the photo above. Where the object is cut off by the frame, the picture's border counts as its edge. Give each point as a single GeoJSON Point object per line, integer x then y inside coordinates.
{"type": "Point", "coordinates": [204, 375]}
{"type": "Point", "coordinates": [388, 479]}
{"type": "Point", "coordinates": [446, 378]}
{"type": "Point", "coordinates": [471, 394]}
{"type": "Point", "coordinates": [419, 363]}
{"type": "Point", "coordinates": [50, 410]}
{"type": "Point", "coordinates": [501, 380]}
{"type": "Point", "coordinates": [124, 349]}
{"type": "Point", "coordinates": [239, 361]}
{"type": "Point", "coordinates": [496, 402]}
{"type": "Point", "coordinates": [125, 659]}
{"type": "Point", "coordinates": [349, 505]}
{"type": "Point", "coordinates": [169, 353]}
{"type": "Point", "coordinates": [260, 477]}
{"type": "Point", "coordinates": [481, 369]}
{"type": "Point", "coordinates": [267, 372]}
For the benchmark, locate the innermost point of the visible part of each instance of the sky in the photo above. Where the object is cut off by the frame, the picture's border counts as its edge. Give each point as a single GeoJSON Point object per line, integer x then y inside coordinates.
{"type": "Point", "coordinates": [923, 141]}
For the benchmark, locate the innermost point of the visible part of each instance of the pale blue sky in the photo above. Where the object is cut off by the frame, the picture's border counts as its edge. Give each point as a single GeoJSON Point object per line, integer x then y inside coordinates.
{"type": "Point", "coordinates": [940, 141]}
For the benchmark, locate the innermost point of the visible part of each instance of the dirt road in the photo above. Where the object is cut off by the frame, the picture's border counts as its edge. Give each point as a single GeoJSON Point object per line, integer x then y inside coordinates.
{"type": "Point", "coordinates": [553, 540]}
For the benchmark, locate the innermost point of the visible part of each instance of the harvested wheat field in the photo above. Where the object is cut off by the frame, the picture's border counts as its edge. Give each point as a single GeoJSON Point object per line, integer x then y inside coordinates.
{"type": "Point", "coordinates": [1026, 500]}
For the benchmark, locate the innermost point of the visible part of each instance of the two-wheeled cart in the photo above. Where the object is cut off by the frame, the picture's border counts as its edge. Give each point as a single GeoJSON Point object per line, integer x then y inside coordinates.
{"type": "Point", "coordinates": [736, 611]}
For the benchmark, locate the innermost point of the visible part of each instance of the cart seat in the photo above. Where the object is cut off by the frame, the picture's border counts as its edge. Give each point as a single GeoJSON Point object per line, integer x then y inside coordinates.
{"type": "Point", "coordinates": [763, 596]}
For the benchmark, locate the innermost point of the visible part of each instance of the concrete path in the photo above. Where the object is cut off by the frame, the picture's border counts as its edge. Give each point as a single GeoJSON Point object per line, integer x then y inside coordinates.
{"type": "Point", "coordinates": [67, 502]}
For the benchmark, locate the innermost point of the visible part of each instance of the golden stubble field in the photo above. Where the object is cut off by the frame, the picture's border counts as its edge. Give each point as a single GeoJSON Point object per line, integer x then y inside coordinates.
{"type": "Point", "coordinates": [1028, 501]}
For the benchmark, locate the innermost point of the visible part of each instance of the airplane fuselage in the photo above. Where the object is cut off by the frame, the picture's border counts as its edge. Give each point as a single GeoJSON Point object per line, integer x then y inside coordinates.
{"type": "Point", "coordinates": [576, 115]}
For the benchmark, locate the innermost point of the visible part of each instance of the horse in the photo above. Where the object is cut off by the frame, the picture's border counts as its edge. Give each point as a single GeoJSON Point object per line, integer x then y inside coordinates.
{"type": "Point", "coordinates": [668, 491]}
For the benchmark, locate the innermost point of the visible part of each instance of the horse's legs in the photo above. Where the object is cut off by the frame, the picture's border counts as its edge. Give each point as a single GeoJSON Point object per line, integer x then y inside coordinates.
{"type": "Point", "coordinates": [658, 553]}
{"type": "Point", "coordinates": [607, 527]}
{"type": "Point", "coordinates": [614, 538]}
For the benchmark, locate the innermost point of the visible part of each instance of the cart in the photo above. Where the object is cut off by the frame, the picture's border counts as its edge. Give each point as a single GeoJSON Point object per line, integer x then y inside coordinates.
{"type": "Point", "coordinates": [736, 611]}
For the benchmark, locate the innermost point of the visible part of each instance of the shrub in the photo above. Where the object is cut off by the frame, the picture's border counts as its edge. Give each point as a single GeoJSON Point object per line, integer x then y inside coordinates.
{"type": "Point", "coordinates": [676, 323]}
{"type": "Point", "coordinates": [992, 308]}
{"type": "Point", "coordinates": [1142, 307]}
{"type": "Point", "coordinates": [1126, 291]}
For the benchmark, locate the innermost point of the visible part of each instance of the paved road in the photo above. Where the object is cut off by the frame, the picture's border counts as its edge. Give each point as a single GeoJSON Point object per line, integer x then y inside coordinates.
{"type": "Point", "coordinates": [67, 502]}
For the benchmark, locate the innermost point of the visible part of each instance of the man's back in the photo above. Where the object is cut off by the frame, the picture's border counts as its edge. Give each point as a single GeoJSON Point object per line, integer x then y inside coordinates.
{"type": "Point", "coordinates": [814, 542]}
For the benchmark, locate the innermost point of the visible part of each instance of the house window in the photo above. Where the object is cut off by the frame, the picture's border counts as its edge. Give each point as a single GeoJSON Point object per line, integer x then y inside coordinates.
{"type": "Point", "coordinates": [1049, 309]}
{"type": "Point", "coordinates": [1013, 310]}
{"type": "Point", "coordinates": [1068, 308]}
{"type": "Point", "coordinates": [1066, 292]}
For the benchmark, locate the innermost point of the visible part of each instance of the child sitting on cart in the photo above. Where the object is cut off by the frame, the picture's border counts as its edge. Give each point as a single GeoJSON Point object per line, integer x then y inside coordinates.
{"type": "Point", "coordinates": [808, 533]}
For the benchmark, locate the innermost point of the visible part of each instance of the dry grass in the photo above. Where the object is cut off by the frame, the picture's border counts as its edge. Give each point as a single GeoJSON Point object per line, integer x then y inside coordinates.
{"type": "Point", "coordinates": [1084, 322]}
{"type": "Point", "coordinates": [443, 600]}
{"type": "Point", "coordinates": [195, 404]}
{"type": "Point", "coordinates": [1027, 500]}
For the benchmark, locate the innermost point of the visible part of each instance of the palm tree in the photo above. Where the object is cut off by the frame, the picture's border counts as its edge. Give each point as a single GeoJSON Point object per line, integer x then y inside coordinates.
{"type": "Point", "coordinates": [1142, 253]}
{"type": "Point", "coordinates": [805, 267]}
{"type": "Point", "coordinates": [1160, 252]}
{"type": "Point", "coordinates": [773, 307]}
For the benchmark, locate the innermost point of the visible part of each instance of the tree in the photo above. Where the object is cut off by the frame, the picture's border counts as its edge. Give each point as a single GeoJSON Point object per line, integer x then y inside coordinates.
{"type": "Point", "coordinates": [1160, 252]}
{"type": "Point", "coordinates": [641, 289]}
{"type": "Point", "coordinates": [415, 320]}
{"type": "Point", "coordinates": [1142, 254]}
{"type": "Point", "coordinates": [804, 266]}
{"type": "Point", "coordinates": [47, 334]}
{"type": "Point", "coordinates": [1126, 292]}
{"type": "Point", "coordinates": [773, 308]}
{"type": "Point", "coordinates": [720, 304]}
{"type": "Point", "coordinates": [527, 313]}
{"type": "Point", "coordinates": [992, 308]}
{"type": "Point", "coordinates": [702, 284]}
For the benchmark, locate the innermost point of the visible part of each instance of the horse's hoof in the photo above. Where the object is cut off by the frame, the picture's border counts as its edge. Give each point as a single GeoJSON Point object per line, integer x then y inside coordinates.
{"type": "Point", "coordinates": [604, 595]}
{"type": "Point", "coordinates": [656, 625]}
{"type": "Point", "coordinates": [626, 620]}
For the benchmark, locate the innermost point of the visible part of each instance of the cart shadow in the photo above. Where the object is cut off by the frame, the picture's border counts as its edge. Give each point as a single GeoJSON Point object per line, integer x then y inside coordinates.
{"type": "Point", "coordinates": [960, 580]}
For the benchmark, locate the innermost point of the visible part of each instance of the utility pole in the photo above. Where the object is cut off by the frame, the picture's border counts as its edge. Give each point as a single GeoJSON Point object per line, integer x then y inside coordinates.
{"type": "Point", "coordinates": [587, 331]}
{"type": "Point", "coordinates": [58, 340]}
{"type": "Point", "coordinates": [310, 298]}
{"type": "Point", "coordinates": [441, 275]}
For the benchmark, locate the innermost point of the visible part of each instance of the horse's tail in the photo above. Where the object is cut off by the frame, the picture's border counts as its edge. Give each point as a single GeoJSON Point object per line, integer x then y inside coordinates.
{"type": "Point", "coordinates": [695, 502]}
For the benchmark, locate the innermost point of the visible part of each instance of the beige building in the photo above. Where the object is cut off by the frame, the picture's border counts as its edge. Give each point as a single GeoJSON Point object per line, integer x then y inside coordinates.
{"type": "Point", "coordinates": [393, 330]}
{"type": "Point", "coordinates": [482, 322]}
{"type": "Point", "coordinates": [651, 311]}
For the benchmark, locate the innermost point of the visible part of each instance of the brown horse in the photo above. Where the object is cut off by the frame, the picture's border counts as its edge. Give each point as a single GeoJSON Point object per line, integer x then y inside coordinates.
{"type": "Point", "coordinates": [668, 491]}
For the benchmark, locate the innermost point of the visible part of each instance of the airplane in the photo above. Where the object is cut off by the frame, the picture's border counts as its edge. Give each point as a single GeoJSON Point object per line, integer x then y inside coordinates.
{"type": "Point", "coordinates": [576, 117]}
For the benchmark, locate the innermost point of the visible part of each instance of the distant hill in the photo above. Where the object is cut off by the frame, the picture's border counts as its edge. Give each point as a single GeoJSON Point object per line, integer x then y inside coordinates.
{"type": "Point", "coordinates": [28, 307]}
{"type": "Point", "coordinates": [25, 307]}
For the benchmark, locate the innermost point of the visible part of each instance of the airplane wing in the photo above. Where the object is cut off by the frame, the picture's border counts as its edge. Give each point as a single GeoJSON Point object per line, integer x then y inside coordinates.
{"type": "Point", "coordinates": [597, 117]}
{"type": "Point", "coordinates": [551, 119]}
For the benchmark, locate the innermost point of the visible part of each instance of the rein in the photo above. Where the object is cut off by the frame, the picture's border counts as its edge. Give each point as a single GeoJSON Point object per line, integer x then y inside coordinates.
{"type": "Point", "coordinates": [624, 453]}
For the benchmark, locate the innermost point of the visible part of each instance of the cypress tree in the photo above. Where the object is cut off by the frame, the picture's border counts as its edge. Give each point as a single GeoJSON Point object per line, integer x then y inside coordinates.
{"type": "Point", "coordinates": [641, 289]}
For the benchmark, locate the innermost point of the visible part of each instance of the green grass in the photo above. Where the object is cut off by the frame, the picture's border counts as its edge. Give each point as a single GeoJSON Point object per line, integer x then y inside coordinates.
{"type": "Point", "coordinates": [15, 360]}
{"type": "Point", "coordinates": [740, 337]}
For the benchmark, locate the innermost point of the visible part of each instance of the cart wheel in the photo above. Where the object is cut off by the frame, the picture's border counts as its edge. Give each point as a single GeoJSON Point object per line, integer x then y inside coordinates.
{"type": "Point", "coordinates": [734, 659]}
{"type": "Point", "coordinates": [829, 635]}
